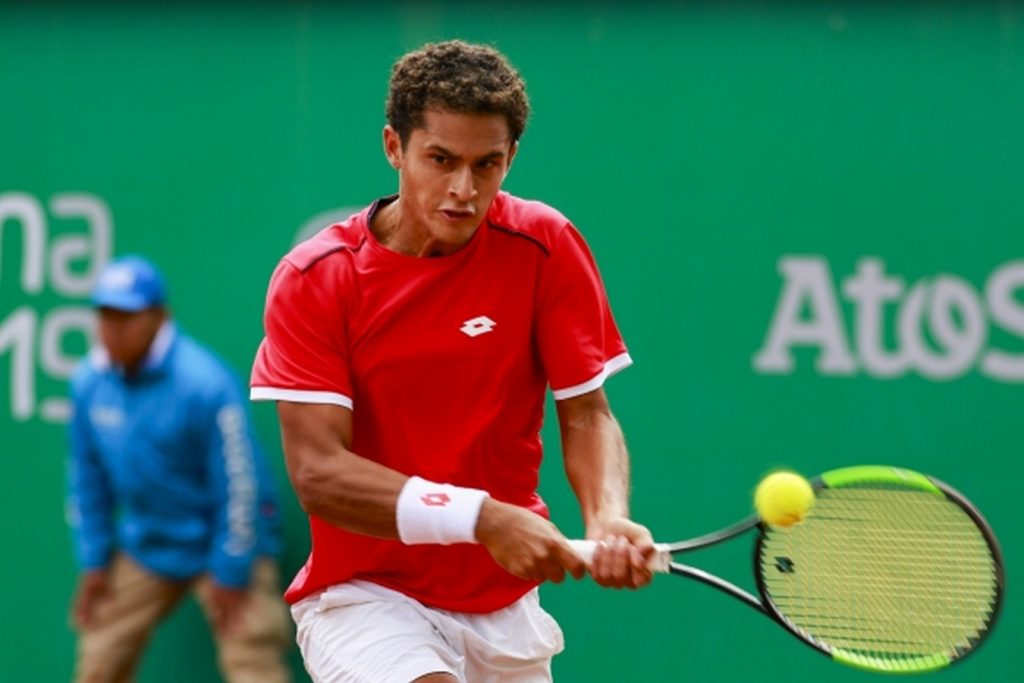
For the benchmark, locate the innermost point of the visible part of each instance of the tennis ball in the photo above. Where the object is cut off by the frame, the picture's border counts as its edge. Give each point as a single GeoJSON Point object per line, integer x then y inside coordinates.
{"type": "Point", "coordinates": [783, 498]}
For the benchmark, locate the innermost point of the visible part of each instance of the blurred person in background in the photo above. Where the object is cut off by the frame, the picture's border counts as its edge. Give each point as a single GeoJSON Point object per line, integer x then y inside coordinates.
{"type": "Point", "coordinates": [169, 493]}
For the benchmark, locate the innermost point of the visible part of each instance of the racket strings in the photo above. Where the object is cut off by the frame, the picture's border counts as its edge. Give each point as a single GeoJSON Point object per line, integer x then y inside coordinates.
{"type": "Point", "coordinates": [887, 572]}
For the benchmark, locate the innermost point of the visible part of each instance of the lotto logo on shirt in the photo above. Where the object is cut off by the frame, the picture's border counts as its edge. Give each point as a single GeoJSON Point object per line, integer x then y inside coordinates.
{"type": "Point", "coordinates": [474, 327]}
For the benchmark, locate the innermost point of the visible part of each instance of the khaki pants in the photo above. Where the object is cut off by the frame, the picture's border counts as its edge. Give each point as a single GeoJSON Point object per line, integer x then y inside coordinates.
{"type": "Point", "coordinates": [136, 601]}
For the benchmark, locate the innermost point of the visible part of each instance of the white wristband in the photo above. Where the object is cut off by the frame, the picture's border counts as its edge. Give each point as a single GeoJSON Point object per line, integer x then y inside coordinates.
{"type": "Point", "coordinates": [428, 512]}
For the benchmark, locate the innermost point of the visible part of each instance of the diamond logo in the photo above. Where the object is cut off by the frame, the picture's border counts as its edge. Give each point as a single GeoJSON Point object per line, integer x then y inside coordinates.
{"type": "Point", "coordinates": [435, 499]}
{"type": "Point", "coordinates": [474, 327]}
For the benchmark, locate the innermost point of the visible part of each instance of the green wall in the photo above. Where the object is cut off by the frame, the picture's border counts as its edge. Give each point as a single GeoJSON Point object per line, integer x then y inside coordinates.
{"type": "Point", "coordinates": [809, 217]}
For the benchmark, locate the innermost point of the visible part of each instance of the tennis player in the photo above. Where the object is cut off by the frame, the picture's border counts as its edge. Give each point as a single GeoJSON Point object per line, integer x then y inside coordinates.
{"type": "Point", "coordinates": [409, 349]}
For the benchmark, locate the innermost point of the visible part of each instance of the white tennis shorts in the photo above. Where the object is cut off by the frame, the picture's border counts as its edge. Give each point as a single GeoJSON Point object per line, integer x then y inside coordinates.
{"type": "Point", "coordinates": [359, 632]}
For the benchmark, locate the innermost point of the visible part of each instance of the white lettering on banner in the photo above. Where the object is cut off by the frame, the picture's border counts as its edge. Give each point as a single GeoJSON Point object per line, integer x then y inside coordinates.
{"type": "Point", "coordinates": [16, 333]}
{"type": "Point", "coordinates": [24, 209]}
{"type": "Point", "coordinates": [807, 280]}
{"type": "Point", "coordinates": [26, 328]}
{"type": "Point", "coordinates": [957, 319]}
{"type": "Point", "coordinates": [1009, 314]}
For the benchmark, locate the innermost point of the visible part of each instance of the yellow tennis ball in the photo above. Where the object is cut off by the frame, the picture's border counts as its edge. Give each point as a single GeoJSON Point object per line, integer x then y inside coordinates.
{"type": "Point", "coordinates": [783, 498]}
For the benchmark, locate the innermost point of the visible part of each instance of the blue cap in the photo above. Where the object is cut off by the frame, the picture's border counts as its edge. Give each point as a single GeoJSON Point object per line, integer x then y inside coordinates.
{"type": "Point", "coordinates": [130, 283]}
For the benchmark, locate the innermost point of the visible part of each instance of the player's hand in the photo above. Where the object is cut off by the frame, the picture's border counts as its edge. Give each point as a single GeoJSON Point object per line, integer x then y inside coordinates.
{"type": "Point", "coordinates": [525, 544]}
{"type": "Point", "coordinates": [226, 605]}
{"type": "Point", "coordinates": [92, 588]}
{"type": "Point", "coordinates": [623, 550]}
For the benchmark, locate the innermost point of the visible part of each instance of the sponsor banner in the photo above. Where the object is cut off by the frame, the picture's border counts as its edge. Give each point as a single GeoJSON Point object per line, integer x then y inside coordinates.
{"type": "Point", "coordinates": [942, 325]}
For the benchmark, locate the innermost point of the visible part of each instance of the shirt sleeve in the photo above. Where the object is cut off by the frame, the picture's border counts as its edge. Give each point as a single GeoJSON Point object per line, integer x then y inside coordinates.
{"type": "Point", "coordinates": [302, 357]}
{"type": "Point", "coordinates": [90, 502]}
{"type": "Point", "coordinates": [579, 342]}
{"type": "Point", "coordinates": [231, 469]}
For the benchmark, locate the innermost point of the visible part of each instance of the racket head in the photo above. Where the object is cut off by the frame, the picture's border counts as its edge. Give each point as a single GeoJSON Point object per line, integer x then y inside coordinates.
{"type": "Point", "coordinates": [890, 571]}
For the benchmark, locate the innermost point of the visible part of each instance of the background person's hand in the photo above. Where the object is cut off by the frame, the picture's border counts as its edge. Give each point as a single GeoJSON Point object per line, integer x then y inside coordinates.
{"type": "Point", "coordinates": [525, 544]}
{"type": "Point", "coordinates": [226, 604]}
{"type": "Point", "coordinates": [92, 588]}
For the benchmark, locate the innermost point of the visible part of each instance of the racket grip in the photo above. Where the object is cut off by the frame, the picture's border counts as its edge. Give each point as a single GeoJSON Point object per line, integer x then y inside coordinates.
{"type": "Point", "coordinates": [658, 562]}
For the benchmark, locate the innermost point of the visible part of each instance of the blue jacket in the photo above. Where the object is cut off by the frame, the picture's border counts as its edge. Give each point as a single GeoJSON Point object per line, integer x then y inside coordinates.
{"type": "Point", "coordinates": [164, 466]}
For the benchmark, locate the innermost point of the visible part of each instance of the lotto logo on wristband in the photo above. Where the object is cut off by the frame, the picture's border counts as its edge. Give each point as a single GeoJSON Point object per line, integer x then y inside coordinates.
{"type": "Point", "coordinates": [435, 499]}
{"type": "Point", "coordinates": [429, 512]}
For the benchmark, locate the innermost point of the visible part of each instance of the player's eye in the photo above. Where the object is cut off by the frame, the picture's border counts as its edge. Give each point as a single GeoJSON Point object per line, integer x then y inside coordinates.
{"type": "Point", "coordinates": [439, 159]}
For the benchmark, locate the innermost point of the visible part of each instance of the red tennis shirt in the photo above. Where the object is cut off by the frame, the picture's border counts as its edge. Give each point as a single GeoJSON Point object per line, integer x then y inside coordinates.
{"type": "Point", "coordinates": [444, 363]}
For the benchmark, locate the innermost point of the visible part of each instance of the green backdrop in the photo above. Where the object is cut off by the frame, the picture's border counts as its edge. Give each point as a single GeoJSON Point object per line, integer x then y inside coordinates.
{"type": "Point", "coordinates": [809, 217]}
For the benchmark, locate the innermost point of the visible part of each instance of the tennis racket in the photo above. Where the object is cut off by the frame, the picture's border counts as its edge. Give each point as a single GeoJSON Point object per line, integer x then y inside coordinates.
{"type": "Point", "coordinates": [890, 570]}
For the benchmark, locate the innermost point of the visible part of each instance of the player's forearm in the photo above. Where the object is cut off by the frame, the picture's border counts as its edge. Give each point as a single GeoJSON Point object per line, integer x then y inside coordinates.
{"type": "Point", "coordinates": [346, 490]}
{"type": "Point", "coordinates": [596, 463]}
{"type": "Point", "coordinates": [330, 481]}
{"type": "Point", "coordinates": [363, 496]}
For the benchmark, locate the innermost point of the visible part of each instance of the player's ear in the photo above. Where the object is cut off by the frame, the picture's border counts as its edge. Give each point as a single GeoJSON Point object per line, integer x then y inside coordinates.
{"type": "Point", "coordinates": [393, 147]}
{"type": "Point", "coordinates": [511, 155]}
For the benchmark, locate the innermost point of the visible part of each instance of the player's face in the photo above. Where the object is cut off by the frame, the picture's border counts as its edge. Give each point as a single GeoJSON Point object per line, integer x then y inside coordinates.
{"type": "Point", "coordinates": [127, 336]}
{"type": "Point", "coordinates": [449, 173]}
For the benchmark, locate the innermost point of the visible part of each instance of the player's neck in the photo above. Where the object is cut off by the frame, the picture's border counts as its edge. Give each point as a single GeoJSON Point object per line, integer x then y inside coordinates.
{"type": "Point", "coordinates": [409, 237]}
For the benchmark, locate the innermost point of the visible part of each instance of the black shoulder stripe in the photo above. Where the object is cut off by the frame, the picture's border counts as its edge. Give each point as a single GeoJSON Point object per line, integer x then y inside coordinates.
{"type": "Point", "coordinates": [519, 233]}
{"type": "Point", "coordinates": [306, 265]}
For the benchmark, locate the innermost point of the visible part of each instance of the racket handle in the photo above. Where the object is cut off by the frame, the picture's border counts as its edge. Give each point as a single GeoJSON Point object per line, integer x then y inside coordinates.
{"type": "Point", "coordinates": [658, 562]}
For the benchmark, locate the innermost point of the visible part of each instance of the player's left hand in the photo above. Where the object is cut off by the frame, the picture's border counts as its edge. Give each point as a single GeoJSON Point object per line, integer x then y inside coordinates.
{"type": "Point", "coordinates": [226, 605]}
{"type": "Point", "coordinates": [623, 550]}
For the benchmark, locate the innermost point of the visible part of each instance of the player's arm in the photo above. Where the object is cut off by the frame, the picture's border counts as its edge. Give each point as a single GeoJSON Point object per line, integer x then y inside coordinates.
{"type": "Point", "coordinates": [331, 481]}
{"type": "Point", "coordinates": [597, 465]}
{"type": "Point", "coordinates": [362, 496]}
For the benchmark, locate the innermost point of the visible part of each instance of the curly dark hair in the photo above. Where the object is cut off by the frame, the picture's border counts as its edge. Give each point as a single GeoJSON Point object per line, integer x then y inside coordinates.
{"type": "Point", "coordinates": [458, 77]}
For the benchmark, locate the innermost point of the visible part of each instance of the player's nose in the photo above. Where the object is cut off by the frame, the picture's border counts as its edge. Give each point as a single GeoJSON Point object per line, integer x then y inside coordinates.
{"type": "Point", "coordinates": [461, 186]}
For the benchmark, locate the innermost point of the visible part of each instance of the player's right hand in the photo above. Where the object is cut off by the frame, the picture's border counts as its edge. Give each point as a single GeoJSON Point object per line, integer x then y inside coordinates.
{"type": "Point", "coordinates": [525, 544]}
{"type": "Point", "coordinates": [92, 588]}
